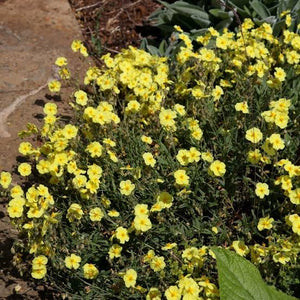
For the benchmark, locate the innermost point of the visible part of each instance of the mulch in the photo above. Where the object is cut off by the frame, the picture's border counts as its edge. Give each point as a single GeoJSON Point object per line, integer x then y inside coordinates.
{"type": "Point", "coordinates": [111, 25]}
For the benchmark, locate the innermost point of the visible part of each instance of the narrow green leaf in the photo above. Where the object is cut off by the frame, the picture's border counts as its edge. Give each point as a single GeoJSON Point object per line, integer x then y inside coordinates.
{"type": "Point", "coordinates": [239, 279]}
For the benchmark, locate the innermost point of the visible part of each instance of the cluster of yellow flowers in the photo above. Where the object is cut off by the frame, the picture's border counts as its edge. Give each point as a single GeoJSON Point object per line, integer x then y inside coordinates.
{"type": "Point", "coordinates": [139, 75]}
{"type": "Point", "coordinates": [95, 180]}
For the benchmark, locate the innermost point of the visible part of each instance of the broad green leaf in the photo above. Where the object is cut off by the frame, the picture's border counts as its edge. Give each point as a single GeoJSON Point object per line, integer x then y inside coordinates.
{"type": "Point", "coordinates": [187, 9]}
{"type": "Point", "coordinates": [200, 21]}
{"type": "Point", "coordinates": [239, 279]}
{"type": "Point", "coordinates": [219, 13]}
{"type": "Point", "coordinates": [260, 9]}
{"type": "Point", "coordinates": [223, 24]}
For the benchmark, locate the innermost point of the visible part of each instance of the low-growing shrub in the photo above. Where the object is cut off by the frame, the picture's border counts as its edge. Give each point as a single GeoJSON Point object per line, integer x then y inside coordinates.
{"type": "Point", "coordinates": [162, 161]}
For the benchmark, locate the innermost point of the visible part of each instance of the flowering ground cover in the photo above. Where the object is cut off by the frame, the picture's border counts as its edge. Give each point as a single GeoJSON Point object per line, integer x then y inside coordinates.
{"type": "Point", "coordinates": [164, 164]}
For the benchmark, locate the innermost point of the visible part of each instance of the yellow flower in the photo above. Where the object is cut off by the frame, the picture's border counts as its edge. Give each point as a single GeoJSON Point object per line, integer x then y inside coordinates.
{"type": "Point", "coordinates": [74, 212]}
{"type": "Point", "coordinates": [115, 251]}
{"type": "Point", "coordinates": [38, 272]}
{"type": "Point", "coordinates": [50, 119]}
{"type": "Point", "coordinates": [183, 156]}
{"type": "Point", "coordinates": [281, 120]}
{"type": "Point", "coordinates": [133, 106]}
{"type": "Point", "coordinates": [157, 263]}
{"type": "Point", "coordinates": [149, 256]}
{"type": "Point", "coordinates": [166, 118]}
{"type": "Point", "coordinates": [181, 178]}
{"type": "Point", "coordinates": [197, 134]}
{"type": "Point", "coordinates": [50, 109]}
{"type": "Point", "coordinates": [198, 92]}
{"type": "Point", "coordinates": [294, 196]}
{"type": "Point", "coordinates": [130, 278]}
{"type": "Point", "coordinates": [281, 257]}
{"type": "Point", "coordinates": [292, 57]}
{"type": "Point", "coordinates": [64, 73]}
{"type": "Point", "coordinates": [189, 288]}
{"type": "Point", "coordinates": [280, 74]}
{"type": "Point", "coordinates": [218, 168]}
{"type": "Point", "coordinates": [158, 206]}
{"type": "Point", "coordinates": [70, 131]}
{"type": "Point", "coordinates": [24, 169]}
{"type": "Point", "coordinates": [194, 154]}
{"type": "Point", "coordinates": [153, 294]}
{"type": "Point", "coordinates": [142, 223]}
{"type": "Point", "coordinates": [113, 213]}
{"type": "Point", "coordinates": [5, 179]}
{"type": "Point", "coordinates": [178, 28]}
{"type": "Point", "coordinates": [254, 135]}
{"type": "Point", "coordinates": [146, 139]}
{"type": "Point", "coordinates": [276, 141]}
{"type": "Point", "coordinates": [240, 248]}
{"type": "Point", "coordinates": [207, 156]}
{"type": "Point", "coordinates": [61, 61]}
{"type": "Point", "coordinates": [296, 226]}
{"type": "Point", "coordinates": [113, 157]}
{"type": "Point", "coordinates": [265, 223]}
{"type": "Point", "coordinates": [90, 271]}
{"type": "Point", "coordinates": [60, 159]}
{"type": "Point", "coordinates": [54, 86]}
{"type": "Point", "coordinates": [261, 190]}
{"type": "Point", "coordinates": [16, 191]}
{"type": "Point", "coordinates": [222, 42]}
{"type": "Point", "coordinates": [217, 92]}
{"type": "Point", "coordinates": [72, 261]}
{"type": "Point", "coordinates": [81, 97]}
{"type": "Point", "coordinates": [126, 187]}
{"type": "Point", "coordinates": [288, 20]}
{"type": "Point", "coordinates": [94, 171]}
{"type": "Point", "coordinates": [242, 106]}
{"type": "Point", "coordinates": [149, 159]}
{"type": "Point", "coordinates": [79, 181]}
{"type": "Point", "coordinates": [180, 109]}
{"type": "Point", "coordinates": [96, 214]}
{"type": "Point", "coordinates": [25, 148]}
{"type": "Point", "coordinates": [75, 46]}
{"type": "Point", "coordinates": [95, 149]}
{"type": "Point", "coordinates": [141, 210]}
{"type": "Point", "coordinates": [268, 147]}
{"type": "Point", "coordinates": [109, 142]}
{"type": "Point", "coordinates": [169, 246]}
{"type": "Point", "coordinates": [39, 267]}
{"type": "Point", "coordinates": [15, 207]}
{"type": "Point", "coordinates": [35, 212]}
{"type": "Point", "coordinates": [165, 199]}
{"type": "Point", "coordinates": [83, 51]}
{"type": "Point", "coordinates": [122, 235]}
{"type": "Point", "coordinates": [254, 156]}
{"type": "Point", "coordinates": [214, 229]}
{"type": "Point", "coordinates": [207, 54]}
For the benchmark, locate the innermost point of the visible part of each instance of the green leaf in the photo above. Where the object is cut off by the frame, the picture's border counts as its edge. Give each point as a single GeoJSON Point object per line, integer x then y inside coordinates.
{"type": "Point", "coordinates": [219, 13]}
{"type": "Point", "coordinates": [239, 279]}
{"type": "Point", "coordinates": [187, 9]}
{"type": "Point", "coordinates": [260, 9]}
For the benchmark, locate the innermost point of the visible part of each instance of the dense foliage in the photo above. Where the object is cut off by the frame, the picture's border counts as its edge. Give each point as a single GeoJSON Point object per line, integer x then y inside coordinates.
{"type": "Point", "coordinates": [196, 16]}
{"type": "Point", "coordinates": [161, 161]}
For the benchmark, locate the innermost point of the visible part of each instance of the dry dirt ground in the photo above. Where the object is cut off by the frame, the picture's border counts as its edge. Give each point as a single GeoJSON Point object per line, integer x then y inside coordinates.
{"type": "Point", "coordinates": [32, 34]}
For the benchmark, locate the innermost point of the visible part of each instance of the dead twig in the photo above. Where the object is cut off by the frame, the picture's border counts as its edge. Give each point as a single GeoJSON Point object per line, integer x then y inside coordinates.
{"type": "Point", "coordinates": [125, 7]}
{"type": "Point", "coordinates": [89, 6]}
